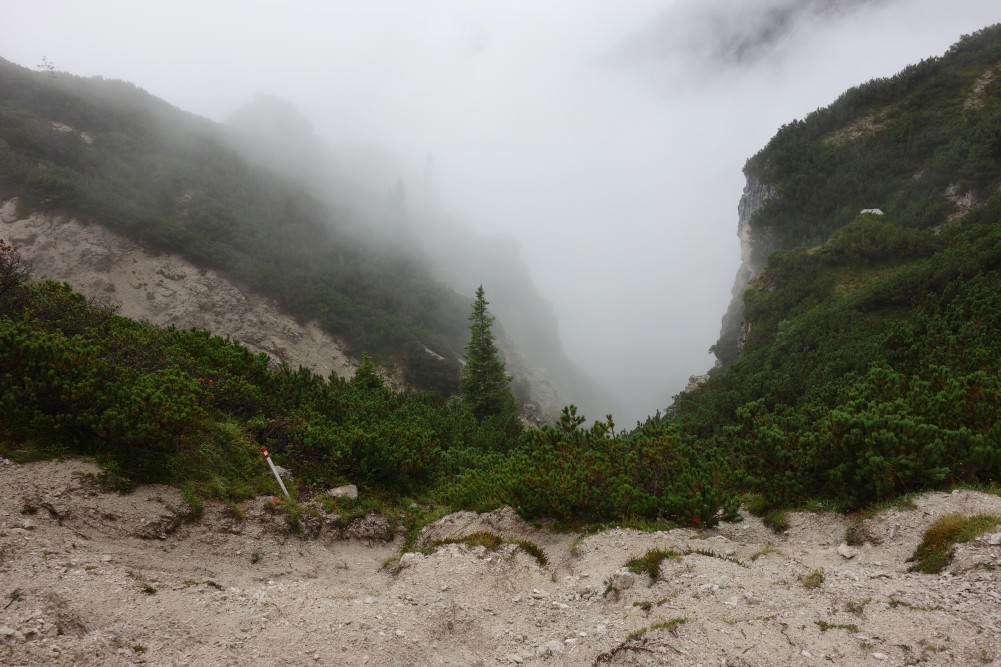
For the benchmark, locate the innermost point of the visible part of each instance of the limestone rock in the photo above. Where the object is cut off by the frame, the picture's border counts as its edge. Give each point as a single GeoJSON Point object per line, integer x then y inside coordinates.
{"type": "Point", "coordinates": [349, 491]}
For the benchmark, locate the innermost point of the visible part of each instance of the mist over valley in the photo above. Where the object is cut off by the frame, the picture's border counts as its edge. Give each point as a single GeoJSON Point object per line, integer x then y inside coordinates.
{"type": "Point", "coordinates": [580, 160]}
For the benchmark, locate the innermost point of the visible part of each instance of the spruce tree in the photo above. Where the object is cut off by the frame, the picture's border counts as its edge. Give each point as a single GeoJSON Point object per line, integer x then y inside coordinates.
{"type": "Point", "coordinates": [485, 386]}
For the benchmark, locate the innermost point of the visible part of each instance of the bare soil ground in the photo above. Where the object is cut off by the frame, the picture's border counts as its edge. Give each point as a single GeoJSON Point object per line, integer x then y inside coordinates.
{"type": "Point", "coordinates": [165, 289]}
{"type": "Point", "coordinates": [91, 577]}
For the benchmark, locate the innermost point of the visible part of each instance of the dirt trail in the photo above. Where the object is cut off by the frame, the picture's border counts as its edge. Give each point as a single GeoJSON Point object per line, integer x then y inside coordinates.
{"type": "Point", "coordinates": [91, 577]}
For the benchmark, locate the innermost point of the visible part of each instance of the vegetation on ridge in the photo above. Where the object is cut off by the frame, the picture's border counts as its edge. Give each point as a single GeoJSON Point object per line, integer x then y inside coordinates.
{"type": "Point", "coordinates": [185, 406]}
{"type": "Point", "coordinates": [872, 365]}
{"type": "Point", "coordinates": [108, 151]}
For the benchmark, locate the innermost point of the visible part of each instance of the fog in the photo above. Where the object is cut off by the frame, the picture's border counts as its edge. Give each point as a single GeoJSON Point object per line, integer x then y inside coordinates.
{"type": "Point", "coordinates": [607, 138]}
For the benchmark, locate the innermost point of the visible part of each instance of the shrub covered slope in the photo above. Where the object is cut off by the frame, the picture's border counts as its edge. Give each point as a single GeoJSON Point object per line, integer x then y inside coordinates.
{"type": "Point", "coordinates": [108, 151]}
{"type": "Point", "coordinates": [871, 367]}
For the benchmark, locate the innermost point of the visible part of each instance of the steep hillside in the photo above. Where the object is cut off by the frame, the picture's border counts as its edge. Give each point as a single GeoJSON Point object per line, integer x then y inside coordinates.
{"type": "Point", "coordinates": [860, 352]}
{"type": "Point", "coordinates": [166, 290]}
{"type": "Point", "coordinates": [276, 222]}
{"type": "Point", "coordinates": [107, 152]}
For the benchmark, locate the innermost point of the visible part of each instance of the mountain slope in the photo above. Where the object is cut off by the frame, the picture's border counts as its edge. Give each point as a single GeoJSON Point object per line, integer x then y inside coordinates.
{"type": "Point", "coordinates": [168, 180]}
{"type": "Point", "coordinates": [860, 359]}
{"type": "Point", "coordinates": [166, 290]}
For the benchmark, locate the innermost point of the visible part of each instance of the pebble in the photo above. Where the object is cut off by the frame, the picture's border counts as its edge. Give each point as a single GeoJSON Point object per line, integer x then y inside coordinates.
{"type": "Point", "coordinates": [880, 656]}
{"type": "Point", "coordinates": [549, 648]}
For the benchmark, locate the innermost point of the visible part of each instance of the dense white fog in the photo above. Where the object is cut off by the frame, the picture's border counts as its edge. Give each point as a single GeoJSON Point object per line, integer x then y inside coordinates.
{"type": "Point", "coordinates": [606, 137]}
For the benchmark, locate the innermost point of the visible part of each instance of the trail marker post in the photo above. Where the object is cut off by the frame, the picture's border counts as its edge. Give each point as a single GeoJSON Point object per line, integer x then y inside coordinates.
{"type": "Point", "coordinates": [267, 457]}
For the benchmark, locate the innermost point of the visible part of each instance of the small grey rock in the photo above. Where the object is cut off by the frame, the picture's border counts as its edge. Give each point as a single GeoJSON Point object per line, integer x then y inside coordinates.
{"type": "Point", "coordinates": [550, 648]}
{"type": "Point", "coordinates": [349, 491]}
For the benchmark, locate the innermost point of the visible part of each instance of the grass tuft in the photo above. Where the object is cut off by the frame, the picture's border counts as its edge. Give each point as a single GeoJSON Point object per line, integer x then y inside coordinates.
{"type": "Point", "coordinates": [813, 580]}
{"type": "Point", "coordinates": [857, 608]}
{"type": "Point", "coordinates": [493, 541]}
{"type": "Point", "coordinates": [533, 550]}
{"type": "Point", "coordinates": [650, 562]}
{"type": "Point", "coordinates": [825, 626]}
{"type": "Point", "coordinates": [938, 543]}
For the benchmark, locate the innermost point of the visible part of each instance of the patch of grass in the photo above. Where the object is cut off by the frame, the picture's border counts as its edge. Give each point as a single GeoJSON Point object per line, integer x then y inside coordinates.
{"type": "Point", "coordinates": [637, 633]}
{"type": "Point", "coordinates": [234, 509]}
{"type": "Point", "coordinates": [147, 588]}
{"type": "Point", "coordinates": [825, 626]}
{"type": "Point", "coordinates": [669, 625]}
{"type": "Point", "coordinates": [813, 580]}
{"type": "Point", "coordinates": [214, 585]}
{"type": "Point", "coordinates": [195, 506]}
{"type": "Point", "coordinates": [766, 551]}
{"type": "Point", "coordinates": [777, 520]}
{"type": "Point", "coordinates": [190, 582]}
{"type": "Point", "coordinates": [938, 543]}
{"type": "Point", "coordinates": [255, 558]}
{"type": "Point", "coordinates": [857, 608]}
{"type": "Point", "coordinates": [991, 488]}
{"type": "Point", "coordinates": [533, 550]}
{"type": "Point", "coordinates": [14, 595]}
{"type": "Point", "coordinates": [756, 504]}
{"type": "Point", "coordinates": [713, 554]}
{"type": "Point", "coordinates": [650, 563]}
{"type": "Point", "coordinates": [575, 545]}
{"type": "Point", "coordinates": [488, 540]}
{"type": "Point", "coordinates": [492, 542]}
{"type": "Point", "coordinates": [894, 603]}
{"type": "Point", "coordinates": [645, 605]}
{"type": "Point", "coordinates": [30, 451]}
{"type": "Point", "coordinates": [28, 508]}
{"type": "Point", "coordinates": [904, 502]}
{"type": "Point", "coordinates": [139, 648]}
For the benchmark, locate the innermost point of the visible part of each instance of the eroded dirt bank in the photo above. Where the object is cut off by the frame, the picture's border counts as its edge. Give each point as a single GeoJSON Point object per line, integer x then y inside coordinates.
{"type": "Point", "coordinates": [90, 577]}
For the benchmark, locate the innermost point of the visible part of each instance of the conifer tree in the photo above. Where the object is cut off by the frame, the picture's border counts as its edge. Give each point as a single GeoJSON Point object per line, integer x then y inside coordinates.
{"type": "Point", "coordinates": [485, 386]}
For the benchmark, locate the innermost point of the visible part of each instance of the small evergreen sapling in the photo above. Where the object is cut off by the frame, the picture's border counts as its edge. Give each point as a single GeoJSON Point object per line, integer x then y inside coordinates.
{"type": "Point", "coordinates": [485, 385]}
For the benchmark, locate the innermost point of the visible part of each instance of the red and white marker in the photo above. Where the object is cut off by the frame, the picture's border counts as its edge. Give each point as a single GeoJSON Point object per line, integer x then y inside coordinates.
{"type": "Point", "coordinates": [267, 457]}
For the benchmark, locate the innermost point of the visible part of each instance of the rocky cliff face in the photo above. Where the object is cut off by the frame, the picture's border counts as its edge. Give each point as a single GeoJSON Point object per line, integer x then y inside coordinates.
{"type": "Point", "coordinates": [753, 256]}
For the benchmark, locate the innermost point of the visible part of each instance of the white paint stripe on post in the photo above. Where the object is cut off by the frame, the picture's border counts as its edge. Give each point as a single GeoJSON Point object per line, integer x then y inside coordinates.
{"type": "Point", "coordinates": [267, 457]}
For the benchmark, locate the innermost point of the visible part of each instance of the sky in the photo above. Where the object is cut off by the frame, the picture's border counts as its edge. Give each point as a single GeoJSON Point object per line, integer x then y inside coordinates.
{"type": "Point", "coordinates": [606, 137]}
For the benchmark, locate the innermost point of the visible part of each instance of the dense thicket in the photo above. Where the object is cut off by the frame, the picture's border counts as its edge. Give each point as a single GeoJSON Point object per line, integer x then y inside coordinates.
{"type": "Point", "coordinates": [871, 363]}
{"type": "Point", "coordinates": [170, 405]}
